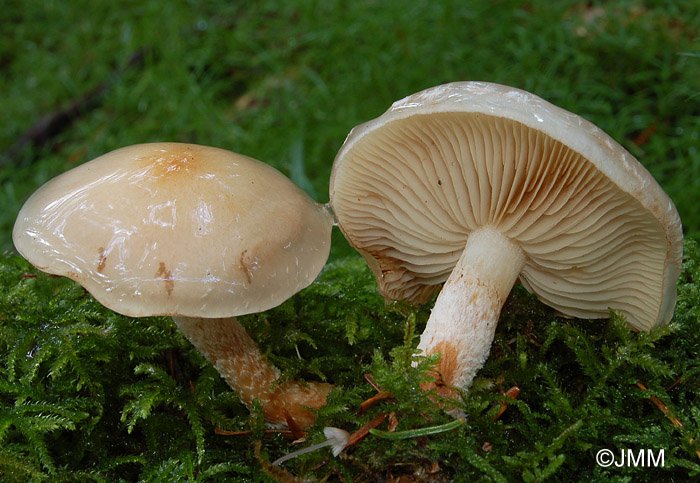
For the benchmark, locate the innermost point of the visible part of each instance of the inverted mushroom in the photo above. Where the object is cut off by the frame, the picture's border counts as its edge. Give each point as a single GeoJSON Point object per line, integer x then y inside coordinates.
{"type": "Point", "coordinates": [478, 185]}
{"type": "Point", "coordinates": [194, 232]}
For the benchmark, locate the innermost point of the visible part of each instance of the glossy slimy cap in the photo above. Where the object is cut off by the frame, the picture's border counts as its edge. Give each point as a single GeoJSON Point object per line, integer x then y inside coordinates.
{"type": "Point", "coordinates": [176, 229]}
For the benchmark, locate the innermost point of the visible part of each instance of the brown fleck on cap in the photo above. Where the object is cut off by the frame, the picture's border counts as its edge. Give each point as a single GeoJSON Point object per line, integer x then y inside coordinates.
{"type": "Point", "coordinates": [596, 229]}
{"type": "Point", "coordinates": [177, 229]}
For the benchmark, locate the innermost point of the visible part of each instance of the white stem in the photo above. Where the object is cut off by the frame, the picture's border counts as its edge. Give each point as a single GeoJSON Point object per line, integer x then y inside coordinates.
{"type": "Point", "coordinates": [463, 321]}
{"type": "Point", "coordinates": [302, 451]}
{"type": "Point", "coordinates": [336, 437]}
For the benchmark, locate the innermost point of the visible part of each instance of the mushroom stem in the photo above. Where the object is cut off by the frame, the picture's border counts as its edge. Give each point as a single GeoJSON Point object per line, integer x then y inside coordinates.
{"type": "Point", "coordinates": [225, 343]}
{"type": "Point", "coordinates": [335, 437]}
{"type": "Point", "coordinates": [463, 321]}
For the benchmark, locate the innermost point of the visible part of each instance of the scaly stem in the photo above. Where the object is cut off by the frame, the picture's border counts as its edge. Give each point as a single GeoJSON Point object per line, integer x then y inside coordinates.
{"type": "Point", "coordinates": [225, 343]}
{"type": "Point", "coordinates": [463, 321]}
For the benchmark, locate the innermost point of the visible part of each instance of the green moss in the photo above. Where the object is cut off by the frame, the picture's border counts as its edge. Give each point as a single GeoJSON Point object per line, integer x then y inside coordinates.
{"type": "Point", "coordinates": [86, 394]}
{"type": "Point", "coordinates": [90, 395]}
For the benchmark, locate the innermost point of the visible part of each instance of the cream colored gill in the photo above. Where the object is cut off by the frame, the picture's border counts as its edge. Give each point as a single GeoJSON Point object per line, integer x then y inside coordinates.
{"type": "Point", "coordinates": [596, 230]}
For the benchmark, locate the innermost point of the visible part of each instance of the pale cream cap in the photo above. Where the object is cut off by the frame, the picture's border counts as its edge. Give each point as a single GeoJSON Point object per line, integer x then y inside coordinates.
{"type": "Point", "coordinates": [177, 229]}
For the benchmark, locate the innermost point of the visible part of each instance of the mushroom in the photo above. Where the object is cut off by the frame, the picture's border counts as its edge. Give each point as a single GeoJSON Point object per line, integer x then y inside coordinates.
{"type": "Point", "coordinates": [194, 232]}
{"type": "Point", "coordinates": [478, 185]}
{"type": "Point", "coordinates": [336, 438]}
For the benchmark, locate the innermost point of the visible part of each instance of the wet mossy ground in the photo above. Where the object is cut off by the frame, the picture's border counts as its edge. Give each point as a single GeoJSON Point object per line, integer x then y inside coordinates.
{"type": "Point", "coordinates": [90, 395]}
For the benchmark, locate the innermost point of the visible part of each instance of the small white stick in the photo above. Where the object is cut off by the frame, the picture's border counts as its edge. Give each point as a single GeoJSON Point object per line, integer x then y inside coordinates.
{"type": "Point", "coordinates": [335, 437]}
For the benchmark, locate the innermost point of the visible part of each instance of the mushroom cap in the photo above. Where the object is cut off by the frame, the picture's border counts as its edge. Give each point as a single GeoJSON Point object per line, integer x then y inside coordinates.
{"type": "Point", "coordinates": [177, 229]}
{"type": "Point", "coordinates": [597, 231]}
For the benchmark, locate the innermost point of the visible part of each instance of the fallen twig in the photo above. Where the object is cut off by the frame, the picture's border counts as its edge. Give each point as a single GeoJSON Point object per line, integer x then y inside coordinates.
{"type": "Point", "coordinates": [512, 393]}
{"type": "Point", "coordinates": [664, 409]}
{"type": "Point", "coordinates": [364, 430]}
{"type": "Point", "coordinates": [56, 121]}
